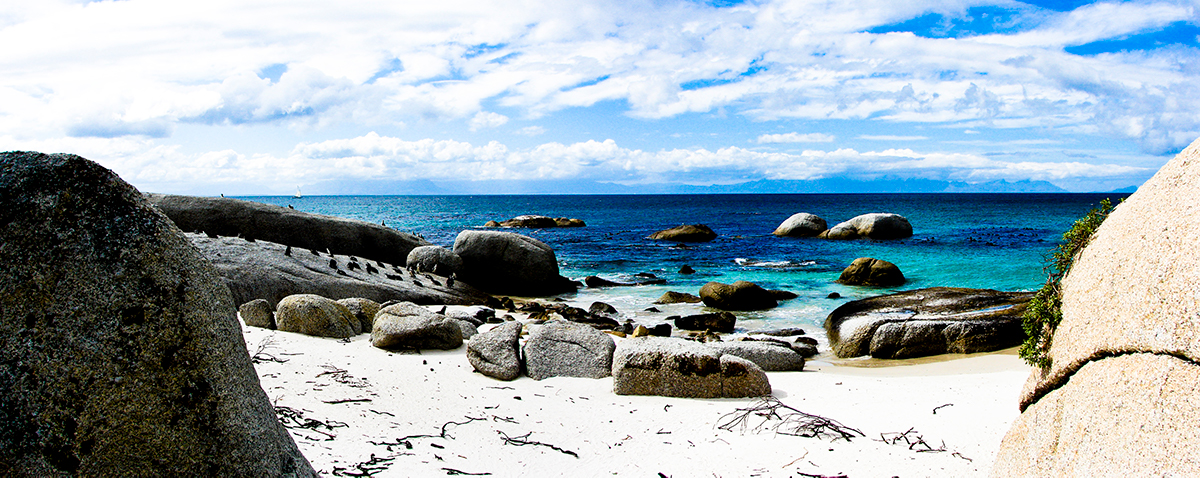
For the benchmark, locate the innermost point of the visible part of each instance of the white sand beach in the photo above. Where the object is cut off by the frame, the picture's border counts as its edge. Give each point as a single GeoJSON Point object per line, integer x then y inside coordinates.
{"type": "Point", "coordinates": [957, 411]}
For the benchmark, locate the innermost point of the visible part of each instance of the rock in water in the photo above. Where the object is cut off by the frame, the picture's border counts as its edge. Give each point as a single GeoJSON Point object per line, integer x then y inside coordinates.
{"type": "Point", "coordinates": [686, 233]}
{"type": "Point", "coordinates": [740, 295]}
{"type": "Point", "coordinates": [567, 349]}
{"type": "Point", "coordinates": [317, 316]}
{"type": "Point", "coordinates": [681, 368]}
{"type": "Point", "coordinates": [258, 313]}
{"type": "Point", "coordinates": [801, 224]}
{"type": "Point", "coordinates": [672, 297]}
{"type": "Point", "coordinates": [120, 349]}
{"type": "Point", "coordinates": [878, 226]}
{"type": "Point", "coordinates": [1120, 395]}
{"type": "Point", "coordinates": [716, 322]}
{"type": "Point", "coordinates": [497, 352]}
{"type": "Point", "coordinates": [507, 263]}
{"type": "Point", "coordinates": [872, 272]}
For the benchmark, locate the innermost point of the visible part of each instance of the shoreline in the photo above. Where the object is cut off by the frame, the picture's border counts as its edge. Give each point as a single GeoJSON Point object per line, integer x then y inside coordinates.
{"type": "Point", "coordinates": [372, 399]}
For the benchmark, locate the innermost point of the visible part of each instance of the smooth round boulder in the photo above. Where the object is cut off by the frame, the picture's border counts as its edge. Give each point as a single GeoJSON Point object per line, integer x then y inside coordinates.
{"type": "Point", "coordinates": [686, 233]}
{"type": "Point", "coordinates": [877, 226]}
{"type": "Point", "coordinates": [507, 263]}
{"type": "Point", "coordinates": [872, 272]}
{"type": "Point", "coordinates": [409, 326]}
{"type": "Point", "coordinates": [436, 259]}
{"type": "Point", "coordinates": [258, 313]}
{"type": "Point", "coordinates": [317, 316]}
{"type": "Point", "coordinates": [672, 297]}
{"type": "Point", "coordinates": [364, 310]}
{"type": "Point", "coordinates": [801, 224]}
{"type": "Point", "coordinates": [740, 295]}
{"type": "Point", "coordinates": [717, 322]}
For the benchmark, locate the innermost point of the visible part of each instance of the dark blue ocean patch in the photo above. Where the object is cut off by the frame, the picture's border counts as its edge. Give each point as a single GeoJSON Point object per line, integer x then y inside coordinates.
{"type": "Point", "coordinates": [1178, 33]}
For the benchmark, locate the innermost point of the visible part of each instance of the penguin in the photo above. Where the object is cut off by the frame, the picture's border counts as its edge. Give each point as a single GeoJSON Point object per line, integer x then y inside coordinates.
{"type": "Point", "coordinates": [287, 251]}
{"type": "Point", "coordinates": [371, 269]}
{"type": "Point", "coordinates": [333, 263]}
{"type": "Point", "coordinates": [314, 252]}
{"type": "Point", "coordinates": [450, 280]}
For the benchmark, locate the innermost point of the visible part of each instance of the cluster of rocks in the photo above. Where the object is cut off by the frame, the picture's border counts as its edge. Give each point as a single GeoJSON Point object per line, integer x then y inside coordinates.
{"type": "Point", "coordinates": [877, 226]}
{"type": "Point", "coordinates": [537, 222]}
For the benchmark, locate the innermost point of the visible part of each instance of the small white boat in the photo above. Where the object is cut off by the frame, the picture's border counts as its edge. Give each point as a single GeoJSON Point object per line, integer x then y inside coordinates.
{"type": "Point", "coordinates": [298, 195]}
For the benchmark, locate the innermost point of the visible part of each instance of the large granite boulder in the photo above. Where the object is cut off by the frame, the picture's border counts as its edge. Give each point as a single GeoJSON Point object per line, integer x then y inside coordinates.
{"type": "Point", "coordinates": [878, 226]}
{"type": "Point", "coordinates": [266, 270]}
{"type": "Point", "coordinates": [672, 297]}
{"type": "Point", "coordinates": [872, 272]}
{"type": "Point", "coordinates": [686, 233]}
{"type": "Point", "coordinates": [258, 313]}
{"type": "Point", "coordinates": [317, 316]}
{"type": "Point", "coordinates": [235, 217]}
{"type": "Point", "coordinates": [409, 326]}
{"type": "Point", "coordinates": [717, 322]}
{"type": "Point", "coordinates": [362, 309]}
{"type": "Point", "coordinates": [673, 367]}
{"type": "Point", "coordinates": [771, 356]}
{"type": "Point", "coordinates": [436, 259]}
{"type": "Point", "coordinates": [497, 352]}
{"type": "Point", "coordinates": [567, 349]}
{"type": "Point", "coordinates": [507, 263]}
{"type": "Point", "coordinates": [801, 224]}
{"type": "Point", "coordinates": [1119, 396]}
{"type": "Point", "coordinates": [932, 321]}
{"type": "Point", "coordinates": [740, 295]}
{"type": "Point", "coordinates": [120, 349]}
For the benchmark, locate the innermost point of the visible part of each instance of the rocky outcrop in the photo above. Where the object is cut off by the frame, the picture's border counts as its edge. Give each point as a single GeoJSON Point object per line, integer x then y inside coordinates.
{"type": "Point", "coordinates": [596, 282]}
{"type": "Point", "coordinates": [317, 316]}
{"type": "Point", "coordinates": [801, 224]}
{"type": "Point", "coordinates": [566, 349]}
{"type": "Point", "coordinates": [770, 356]}
{"type": "Point", "coordinates": [740, 295]}
{"type": "Point", "coordinates": [266, 270]}
{"type": "Point", "coordinates": [872, 272]}
{"type": "Point", "coordinates": [409, 326]}
{"type": "Point", "coordinates": [362, 309]}
{"type": "Point", "coordinates": [685, 233]}
{"type": "Point", "coordinates": [507, 263]}
{"type": "Point", "coordinates": [716, 322]}
{"type": "Point", "coordinates": [680, 368]}
{"type": "Point", "coordinates": [258, 313]}
{"type": "Point", "coordinates": [235, 217]}
{"type": "Point", "coordinates": [537, 222]}
{"type": "Point", "coordinates": [672, 297]}
{"type": "Point", "coordinates": [120, 349]}
{"type": "Point", "coordinates": [497, 352]}
{"type": "Point", "coordinates": [878, 226]}
{"type": "Point", "coordinates": [1120, 393]}
{"type": "Point", "coordinates": [435, 259]}
{"type": "Point", "coordinates": [931, 321]}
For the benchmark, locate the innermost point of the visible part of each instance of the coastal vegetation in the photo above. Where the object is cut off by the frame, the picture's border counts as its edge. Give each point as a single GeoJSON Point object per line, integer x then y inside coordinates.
{"type": "Point", "coordinates": [1044, 312]}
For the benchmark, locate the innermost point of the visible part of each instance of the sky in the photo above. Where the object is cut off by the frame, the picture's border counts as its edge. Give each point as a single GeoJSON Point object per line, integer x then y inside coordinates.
{"type": "Point", "coordinates": [249, 97]}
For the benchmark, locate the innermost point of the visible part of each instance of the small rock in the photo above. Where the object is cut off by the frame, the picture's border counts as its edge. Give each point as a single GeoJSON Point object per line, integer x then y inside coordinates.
{"type": "Point", "coordinates": [258, 313]}
{"type": "Point", "coordinates": [740, 295]}
{"type": "Point", "coordinates": [672, 297]}
{"type": "Point", "coordinates": [641, 331]}
{"type": "Point", "coordinates": [686, 233]}
{"type": "Point", "coordinates": [717, 322]}
{"type": "Point", "coordinates": [601, 308]}
{"type": "Point", "coordinates": [364, 310]}
{"type": "Point", "coordinates": [872, 272]}
{"type": "Point", "coordinates": [686, 269]}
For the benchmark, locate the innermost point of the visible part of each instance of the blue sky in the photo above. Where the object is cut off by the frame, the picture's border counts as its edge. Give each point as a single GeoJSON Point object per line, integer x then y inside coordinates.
{"type": "Point", "coordinates": [262, 97]}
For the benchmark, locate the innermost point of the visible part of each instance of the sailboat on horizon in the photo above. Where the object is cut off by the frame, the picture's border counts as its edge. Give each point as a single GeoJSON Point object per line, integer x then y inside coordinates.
{"type": "Point", "coordinates": [298, 195]}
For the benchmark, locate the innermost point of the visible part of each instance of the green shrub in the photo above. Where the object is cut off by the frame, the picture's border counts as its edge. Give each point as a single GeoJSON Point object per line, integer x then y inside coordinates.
{"type": "Point", "coordinates": [1045, 309]}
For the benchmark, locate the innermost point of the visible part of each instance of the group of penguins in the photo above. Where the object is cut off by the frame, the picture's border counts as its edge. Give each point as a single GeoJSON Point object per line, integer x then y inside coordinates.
{"type": "Point", "coordinates": [413, 270]}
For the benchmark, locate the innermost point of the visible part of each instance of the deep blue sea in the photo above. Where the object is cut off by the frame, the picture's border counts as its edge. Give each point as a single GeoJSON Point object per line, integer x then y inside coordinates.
{"type": "Point", "coordinates": [996, 241]}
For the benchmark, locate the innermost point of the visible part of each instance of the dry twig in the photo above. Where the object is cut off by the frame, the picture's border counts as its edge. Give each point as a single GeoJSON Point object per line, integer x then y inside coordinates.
{"type": "Point", "coordinates": [790, 421]}
{"type": "Point", "coordinates": [524, 440]}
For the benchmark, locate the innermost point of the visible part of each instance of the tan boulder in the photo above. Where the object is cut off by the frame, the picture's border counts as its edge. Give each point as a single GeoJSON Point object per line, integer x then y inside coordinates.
{"type": "Point", "coordinates": [314, 315]}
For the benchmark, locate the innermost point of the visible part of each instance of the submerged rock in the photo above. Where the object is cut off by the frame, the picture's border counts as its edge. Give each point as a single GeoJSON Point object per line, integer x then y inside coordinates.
{"type": "Point", "coordinates": [672, 297]}
{"type": "Point", "coordinates": [740, 295]}
{"type": "Point", "coordinates": [872, 272]}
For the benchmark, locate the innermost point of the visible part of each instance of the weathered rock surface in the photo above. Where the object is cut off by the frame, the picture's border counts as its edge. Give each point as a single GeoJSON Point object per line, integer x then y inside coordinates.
{"type": "Point", "coordinates": [740, 295]}
{"type": "Point", "coordinates": [507, 263]}
{"type": "Point", "coordinates": [120, 349]}
{"type": "Point", "coordinates": [600, 282]}
{"type": "Point", "coordinates": [409, 326]}
{"type": "Point", "coordinates": [680, 368]}
{"type": "Point", "coordinates": [265, 270]}
{"type": "Point", "coordinates": [1120, 393]}
{"type": "Point", "coordinates": [801, 224]}
{"type": "Point", "coordinates": [878, 226]}
{"type": "Point", "coordinates": [314, 315]}
{"type": "Point", "coordinates": [686, 233]}
{"type": "Point", "coordinates": [258, 313]}
{"type": "Point", "coordinates": [537, 222]}
{"type": "Point", "coordinates": [364, 310]}
{"type": "Point", "coordinates": [932, 321]}
{"type": "Point", "coordinates": [435, 259]}
{"type": "Point", "coordinates": [566, 349]}
{"type": "Point", "coordinates": [716, 322]}
{"type": "Point", "coordinates": [672, 297]}
{"type": "Point", "coordinates": [497, 352]}
{"type": "Point", "coordinates": [872, 272]}
{"type": "Point", "coordinates": [235, 217]}
{"type": "Point", "coordinates": [768, 355]}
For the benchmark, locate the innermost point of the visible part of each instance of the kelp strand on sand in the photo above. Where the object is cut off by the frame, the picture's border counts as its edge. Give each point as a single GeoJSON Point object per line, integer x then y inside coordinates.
{"type": "Point", "coordinates": [790, 421]}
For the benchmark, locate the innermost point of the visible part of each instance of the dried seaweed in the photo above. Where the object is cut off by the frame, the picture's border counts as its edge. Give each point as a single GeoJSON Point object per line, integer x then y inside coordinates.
{"type": "Point", "coordinates": [366, 468]}
{"type": "Point", "coordinates": [260, 355]}
{"type": "Point", "coordinates": [294, 419]}
{"type": "Point", "coordinates": [524, 440]}
{"type": "Point", "coordinates": [785, 420]}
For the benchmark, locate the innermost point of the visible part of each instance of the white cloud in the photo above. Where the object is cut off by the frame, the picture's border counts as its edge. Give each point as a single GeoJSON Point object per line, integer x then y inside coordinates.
{"type": "Point", "coordinates": [487, 119]}
{"type": "Point", "coordinates": [531, 131]}
{"type": "Point", "coordinates": [886, 137]}
{"type": "Point", "coordinates": [795, 138]}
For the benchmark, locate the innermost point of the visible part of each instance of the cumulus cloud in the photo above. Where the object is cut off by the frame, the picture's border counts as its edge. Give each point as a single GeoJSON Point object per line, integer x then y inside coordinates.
{"type": "Point", "coordinates": [487, 119]}
{"type": "Point", "coordinates": [795, 138]}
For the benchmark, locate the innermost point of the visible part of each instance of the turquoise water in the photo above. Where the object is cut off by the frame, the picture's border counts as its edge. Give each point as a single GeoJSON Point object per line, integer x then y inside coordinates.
{"type": "Point", "coordinates": [996, 241]}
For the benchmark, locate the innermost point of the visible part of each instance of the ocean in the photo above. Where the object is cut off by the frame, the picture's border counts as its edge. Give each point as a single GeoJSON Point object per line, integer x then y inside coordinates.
{"type": "Point", "coordinates": [994, 241]}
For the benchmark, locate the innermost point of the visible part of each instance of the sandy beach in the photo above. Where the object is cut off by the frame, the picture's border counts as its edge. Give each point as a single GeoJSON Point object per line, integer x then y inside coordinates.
{"type": "Point", "coordinates": [356, 410]}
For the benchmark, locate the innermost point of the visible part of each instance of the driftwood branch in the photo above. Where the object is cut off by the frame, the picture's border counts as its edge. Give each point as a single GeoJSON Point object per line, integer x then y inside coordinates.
{"type": "Point", "coordinates": [260, 355]}
{"type": "Point", "coordinates": [785, 420]}
{"type": "Point", "coordinates": [452, 471]}
{"type": "Point", "coordinates": [343, 377]}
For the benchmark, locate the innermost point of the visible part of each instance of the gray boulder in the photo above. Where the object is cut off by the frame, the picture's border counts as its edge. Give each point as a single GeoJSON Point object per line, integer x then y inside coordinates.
{"type": "Point", "coordinates": [686, 233]}
{"type": "Point", "coordinates": [681, 368]}
{"type": "Point", "coordinates": [769, 355]}
{"type": "Point", "coordinates": [314, 315]}
{"type": "Point", "coordinates": [364, 310]}
{"type": "Point", "coordinates": [801, 224]}
{"type": "Point", "coordinates": [716, 322]}
{"type": "Point", "coordinates": [924, 322]}
{"type": "Point", "coordinates": [507, 263]}
{"type": "Point", "coordinates": [409, 326]}
{"type": "Point", "coordinates": [872, 272]}
{"type": "Point", "coordinates": [497, 352]}
{"type": "Point", "coordinates": [476, 315]}
{"type": "Point", "coordinates": [436, 259]}
{"type": "Point", "coordinates": [468, 329]}
{"type": "Point", "coordinates": [672, 297]}
{"type": "Point", "coordinates": [258, 313]}
{"type": "Point", "coordinates": [568, 349]}
{"type": "Point", "coordinates": [120, 349]}
{"type": "Point", "coordinates": [740, 295]}
{"type": "Point", "coordinates": [235, 217]}
{"type": "Point", "coordinates": [266, 270]}
{"type": "Point", "coordinates": [878, 226]}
